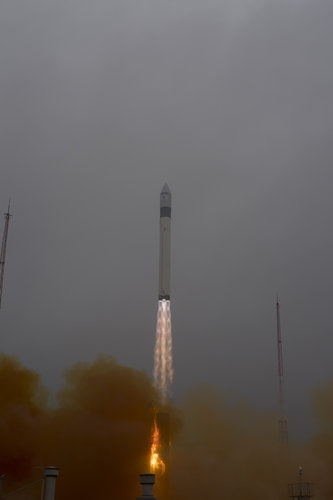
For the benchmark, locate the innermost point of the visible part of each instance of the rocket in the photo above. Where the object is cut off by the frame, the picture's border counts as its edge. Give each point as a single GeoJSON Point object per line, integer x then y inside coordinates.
{"type": "Point", "coordinates": [165, 226]}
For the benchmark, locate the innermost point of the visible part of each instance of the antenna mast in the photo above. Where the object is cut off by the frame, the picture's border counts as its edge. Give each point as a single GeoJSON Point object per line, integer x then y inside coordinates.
{"type": "Point", "coordinates": [283, 423]}
{"type": "Point", "coordinates": [300, 490]}
{"type": "Point", "coordinates": [3, 250]}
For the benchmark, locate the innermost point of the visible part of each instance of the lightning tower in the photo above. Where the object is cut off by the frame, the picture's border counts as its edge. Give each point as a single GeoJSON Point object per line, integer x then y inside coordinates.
{"type": "Point", "coordinates": [300, 490]}
{"type": "Point", "coordinates": [3, 251]}
{"type": "Point", "coordinates": [283, 423]}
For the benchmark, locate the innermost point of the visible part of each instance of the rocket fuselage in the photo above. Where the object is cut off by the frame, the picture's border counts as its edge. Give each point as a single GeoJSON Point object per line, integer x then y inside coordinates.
{"type": "Point", "coordinates": [165, 226]}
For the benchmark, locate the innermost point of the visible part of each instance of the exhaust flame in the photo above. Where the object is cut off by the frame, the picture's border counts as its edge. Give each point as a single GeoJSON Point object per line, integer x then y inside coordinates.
{"type": "Point", "coordinates": [163, 370]}
{"type": "Point", "coordinates": [156, 463]}
{"type": "Point", "coordinates": [163, 375]}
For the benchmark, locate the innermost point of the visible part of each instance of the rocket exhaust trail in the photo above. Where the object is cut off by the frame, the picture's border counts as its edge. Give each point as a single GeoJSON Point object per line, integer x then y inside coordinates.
{"type": "Point", "coordinates": [163, 370]}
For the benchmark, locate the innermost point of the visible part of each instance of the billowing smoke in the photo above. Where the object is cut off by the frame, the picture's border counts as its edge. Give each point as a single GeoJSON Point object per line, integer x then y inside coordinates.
{"type": "Point", "coordinates": [99, 436]}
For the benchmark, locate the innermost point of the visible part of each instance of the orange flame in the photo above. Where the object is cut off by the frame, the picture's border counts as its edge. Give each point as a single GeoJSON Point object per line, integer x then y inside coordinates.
{"type": "Point", "coordinates": [156, 463]}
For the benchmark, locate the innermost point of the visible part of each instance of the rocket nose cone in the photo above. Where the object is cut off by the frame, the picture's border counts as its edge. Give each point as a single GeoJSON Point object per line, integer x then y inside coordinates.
{"type": "Point", "coordinates": [165, 201]}
{"type": "Point", "coordinates": [165, 189]}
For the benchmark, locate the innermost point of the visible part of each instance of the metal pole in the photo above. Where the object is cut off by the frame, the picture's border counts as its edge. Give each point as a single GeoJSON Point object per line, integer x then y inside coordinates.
{"type": "Point", "coordinates": [1, 478]}
{"type": "Point", "coordinates": [147, 482]}
{"type": "Point", "coordinates": [42, 489]}
{"type": "Point", "coordinates": [3, 251]}
{"type": "Point", "coordinates": [283, 424]}
{"type": "Point", "coordinates": [51, 474]}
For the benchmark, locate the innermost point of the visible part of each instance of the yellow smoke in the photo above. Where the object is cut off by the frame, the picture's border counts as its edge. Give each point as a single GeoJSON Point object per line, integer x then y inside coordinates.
{"type": "Point", "coordinates": [100, 435]}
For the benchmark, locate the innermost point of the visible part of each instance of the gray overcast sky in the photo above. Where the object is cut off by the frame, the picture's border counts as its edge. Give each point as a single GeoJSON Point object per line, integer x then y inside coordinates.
{"type": "Point", "coordinates": [230, 102]}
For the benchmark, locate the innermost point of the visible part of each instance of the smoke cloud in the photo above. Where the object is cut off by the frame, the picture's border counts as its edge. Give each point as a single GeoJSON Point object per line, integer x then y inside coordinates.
{"type": "Point", "coordinates": [99, 435]}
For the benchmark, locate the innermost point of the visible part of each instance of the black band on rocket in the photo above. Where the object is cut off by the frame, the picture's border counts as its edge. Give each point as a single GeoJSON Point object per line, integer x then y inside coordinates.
{"type": "Point", "coordinates": [165, 212]}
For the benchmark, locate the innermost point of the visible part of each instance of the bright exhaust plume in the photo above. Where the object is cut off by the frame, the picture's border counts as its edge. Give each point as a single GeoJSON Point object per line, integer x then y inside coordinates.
{"type": "Point", "coordinates": [163, 366]}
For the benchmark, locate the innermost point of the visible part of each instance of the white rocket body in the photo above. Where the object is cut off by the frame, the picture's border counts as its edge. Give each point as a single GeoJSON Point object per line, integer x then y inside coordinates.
{"type": "Point", "coordinates": [165, 226]}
